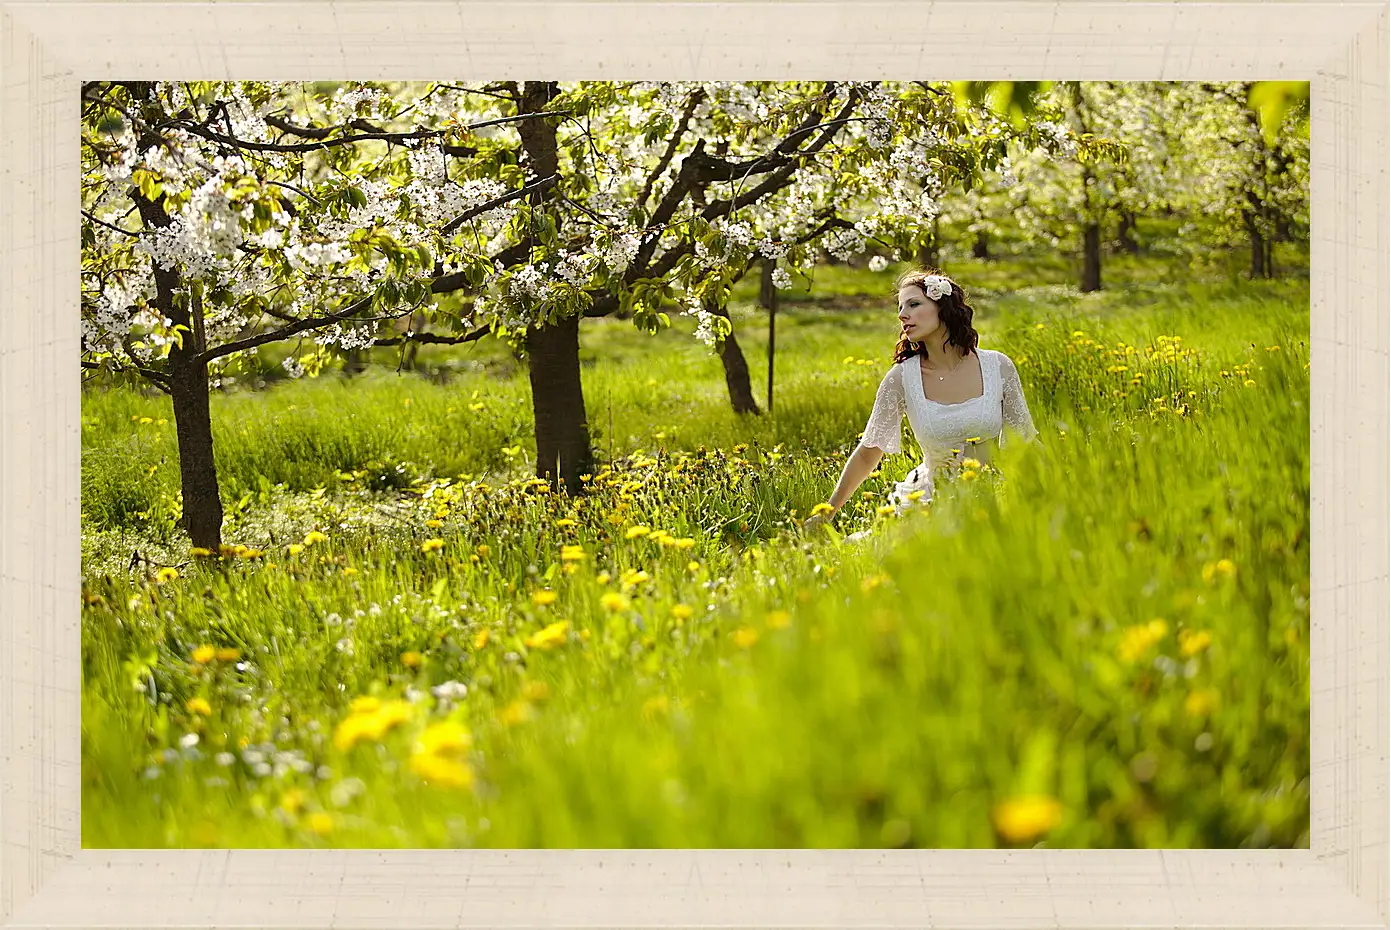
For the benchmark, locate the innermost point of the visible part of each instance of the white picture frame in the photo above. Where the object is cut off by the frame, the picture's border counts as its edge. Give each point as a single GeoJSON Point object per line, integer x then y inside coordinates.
{"type": "Point", "coordinates": [48, 48]}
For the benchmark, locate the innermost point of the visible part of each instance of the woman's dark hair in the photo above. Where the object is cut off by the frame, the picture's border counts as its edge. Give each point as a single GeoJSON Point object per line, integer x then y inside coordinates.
{"type": "Point", "coordinates": [953, 310]}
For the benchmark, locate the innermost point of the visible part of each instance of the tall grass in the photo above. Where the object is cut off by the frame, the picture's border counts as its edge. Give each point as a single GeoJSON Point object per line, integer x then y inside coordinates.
{"type": "Point", "coordinates": [1103, 644]}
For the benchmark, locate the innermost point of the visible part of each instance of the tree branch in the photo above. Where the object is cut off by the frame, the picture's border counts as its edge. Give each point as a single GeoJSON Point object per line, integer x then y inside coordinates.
{"type": "Point", "coordinates": [496, 202]}
{"type": "Point", "coordinates": [432, 339]}
{"type": "Point", "coordinates": [675, 142]}
{"type": "Point", "coordinates": [397, 137]}
{"type": "Point", "coordinates": [283, 332]}
{"type": "Point", "coordinates": [160, 379]}
{"type": "Point", "coordinates": [127, 232]}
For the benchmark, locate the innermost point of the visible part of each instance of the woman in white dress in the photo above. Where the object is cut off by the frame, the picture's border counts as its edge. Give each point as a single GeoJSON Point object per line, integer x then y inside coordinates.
{"type": "Point", "coordinates": [956, 396]}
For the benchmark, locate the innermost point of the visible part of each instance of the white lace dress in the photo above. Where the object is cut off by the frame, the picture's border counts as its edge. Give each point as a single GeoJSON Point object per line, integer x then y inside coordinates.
{"type": "Point", "coordinates": [947, 433]}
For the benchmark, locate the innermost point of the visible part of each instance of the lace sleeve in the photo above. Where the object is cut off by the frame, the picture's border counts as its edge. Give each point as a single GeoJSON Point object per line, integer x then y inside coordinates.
{"type": "Point", "coordinates": [1016, 409]}
{"type": "Point", "coordinates": [885, 427]}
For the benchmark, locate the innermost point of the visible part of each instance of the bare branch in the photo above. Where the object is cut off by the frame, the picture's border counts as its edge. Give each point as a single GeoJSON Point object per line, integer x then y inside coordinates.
{"type": "Point", "coordinates": [160, 379]}
{"type": "Point", "coordinates": [127, 232]}
{"type": "Point", "coordinates": [397, 137]}
{"type": "Point", "coordinates": [433, 339]}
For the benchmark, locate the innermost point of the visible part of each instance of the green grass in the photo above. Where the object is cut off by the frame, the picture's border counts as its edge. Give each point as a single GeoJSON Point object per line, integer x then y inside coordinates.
{"type": "Point", "coordinates": [753, 687]}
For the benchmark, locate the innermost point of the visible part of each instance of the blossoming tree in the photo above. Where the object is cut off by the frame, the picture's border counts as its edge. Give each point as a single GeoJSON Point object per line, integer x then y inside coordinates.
{"type": "Point", "coordinates": [223, 217]}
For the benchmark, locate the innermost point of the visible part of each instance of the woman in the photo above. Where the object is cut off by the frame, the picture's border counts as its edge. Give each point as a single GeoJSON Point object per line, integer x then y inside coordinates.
{"type": "Point", "coordinates": [955, 396]}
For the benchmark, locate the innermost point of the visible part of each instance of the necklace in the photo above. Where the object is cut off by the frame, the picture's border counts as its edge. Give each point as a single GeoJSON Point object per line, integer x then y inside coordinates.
{"type": "Point", "coordinates": [953, 368]}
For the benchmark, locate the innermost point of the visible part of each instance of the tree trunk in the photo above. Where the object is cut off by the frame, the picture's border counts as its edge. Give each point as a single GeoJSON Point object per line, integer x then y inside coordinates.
{"type": "Point", "coordinates": [1091, 257]}
{"type": "Point", "coordinates": [930, 252]}
{"type": "Point", "coordinates": [1260, 248]}
{"type": "Point", "coordinates": [354, 362]}
{"type": "Point", "coordinates": [563, 452]}
{"type": "Point", "coordinates": [736, 370]}
{"type": "Point", "coordinates": [981, 247]}
{"type": "Point", "coordinates": [202, 500]}
{"type": "Point", "coordinates": [188, 380]}
{"type": "Point", "coordinates": [1126, 233]}
{"type": "Point", "coordinates": [768, 297]}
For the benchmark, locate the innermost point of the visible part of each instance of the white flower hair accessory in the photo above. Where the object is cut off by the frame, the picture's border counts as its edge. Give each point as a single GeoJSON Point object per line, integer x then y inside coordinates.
{"type": "Point", "coordinates": [936, 287]}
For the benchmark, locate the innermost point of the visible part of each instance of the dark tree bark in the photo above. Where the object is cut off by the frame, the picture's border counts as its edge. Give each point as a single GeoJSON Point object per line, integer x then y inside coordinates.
{"type": "Point", "coordinates": [563, 451]}
{"type": "Point", "coordinates": [1126, 233]}
{"type": "Point", "coordinates": [768, 297]}
{"type": "Point", "coordinates": [188, 377]}
{"type": "Point", "coordinates": [736, 370]}
{"type": "Point", "coordinates": [1091, 257]}
{"type": "Point", "coordinates": [981, 247]}
{"type": "Point", "coordinates": [1261, 264]}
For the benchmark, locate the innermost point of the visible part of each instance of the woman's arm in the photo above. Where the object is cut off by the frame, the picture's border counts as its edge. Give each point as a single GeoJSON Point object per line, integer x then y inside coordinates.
{"type": "Point", "coordinates": [1016, 409]}
{"type": "Point", "coordinates": [882, 434]}
{"type": "Point", "coordinates": [858, 467]}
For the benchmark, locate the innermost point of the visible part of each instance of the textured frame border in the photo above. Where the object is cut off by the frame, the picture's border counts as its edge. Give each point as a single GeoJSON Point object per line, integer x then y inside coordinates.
{"type": "Point", "coordinates": [47, 48]}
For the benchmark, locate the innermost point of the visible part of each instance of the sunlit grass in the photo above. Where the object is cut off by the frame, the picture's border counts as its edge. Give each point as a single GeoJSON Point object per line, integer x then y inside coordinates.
{"type": "Point", "coordinates": [1104, 644]}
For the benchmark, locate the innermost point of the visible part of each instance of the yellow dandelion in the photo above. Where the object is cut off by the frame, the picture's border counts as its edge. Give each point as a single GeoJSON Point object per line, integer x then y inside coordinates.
{"type": "Point", "coordinates": [636, 532]}
{"type": "Point", "coordinates": [613, 602]}
{"type": "Point", "coordinates": [565, 521]}
{"type": "Point", "coordinates": [314, 536]}
{"type": "Point", "coordinates": [372, 725]}
{"type": "Point", "coordinates": [442, 771]}
{"type": "Point", "coordinates": [482, 549]}
{"type": "Point", "coordinates": [684, 542]}
{"type": "Point", "coordinates": [550, 637]}
{"type": "Point", "coordinates": [745, 637]}
{"type": "Point", "coordinates": [444, 738]}
{"type": "Point", "coordinates": [199, 706]}
{"type": "Point", "coordinates": [885, 509]}
{"type": "Point", "coordinates": [364, 704]}
{"type": "Point", "coordinates": [227, 655]}
{"type": "Point", "coordinates": [349, 571]}
{"type": "Point", "coordinates": [432, 545]}
{"type": "Point", "coordinates": [693, 567]}
{"type": "Point", "coordinates": [480, 639]}
{"type": "Point", "coordinates": [544, 598]}
{"type": "Point", "coordinates": [682, 612]}
{"type": "Point", "coordinates": [571, 553]}
{"type": "Point", "coordinates": [1025, 819]}
{"type": "Point", "coordinates": [1138, 640]}
{"type": "Point", "coordinates": [822, 508]}
{"type": "Point", "coordinates": [1192, 642]}
{"type": "Point", "coordinates": [1200, 703]}
{"type": "Point", "coordinates": [200, 552]}
{"type": "Point", "coordinates": [412, 659]}
{"type": "Point", "coordinates": [434, 524]}
{"type": "Point", "coordinates": [294, 548]}
{"type": "Point", "coordinates": [320, 822]}
{"type": "Point", "coordinates": [603, 578]}
{"type": "Point", "coordinates": [204, 654]}
{"type": "Point", "coordinates": [166, 575]}
{"type": "Point", "coordinates": [515, 713]}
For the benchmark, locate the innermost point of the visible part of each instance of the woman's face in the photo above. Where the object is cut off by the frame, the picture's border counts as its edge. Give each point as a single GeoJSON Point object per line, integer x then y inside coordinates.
{"type": "Point", "coordinates": [917, 312]}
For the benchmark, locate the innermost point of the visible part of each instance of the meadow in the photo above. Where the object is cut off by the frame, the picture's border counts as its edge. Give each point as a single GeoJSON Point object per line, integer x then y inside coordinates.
{"type": "Point", "coordinates": [410, 642]}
